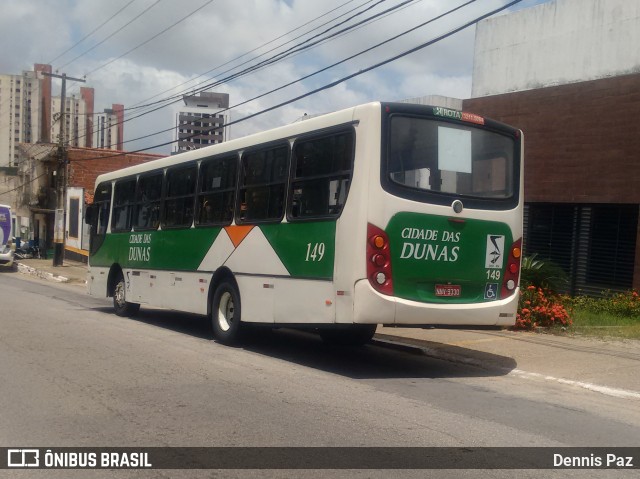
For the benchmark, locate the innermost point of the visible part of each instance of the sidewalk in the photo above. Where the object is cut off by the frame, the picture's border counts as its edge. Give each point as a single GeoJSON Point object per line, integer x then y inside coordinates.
{"type": "Point", "coordinates": [70, 272]}
{"type": "Point", "coordinates": [609, 367]}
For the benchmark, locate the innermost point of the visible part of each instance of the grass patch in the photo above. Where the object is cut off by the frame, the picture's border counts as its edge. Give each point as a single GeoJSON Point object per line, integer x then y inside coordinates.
{"type": "Point", "coordinates": [613, 315]}
{"type": "Point", "coordinates": [603, 324]}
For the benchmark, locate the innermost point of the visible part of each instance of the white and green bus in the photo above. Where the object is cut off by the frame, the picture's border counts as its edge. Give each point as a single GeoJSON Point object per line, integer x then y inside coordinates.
{"type": "Point", "coordinates": [385, 213]}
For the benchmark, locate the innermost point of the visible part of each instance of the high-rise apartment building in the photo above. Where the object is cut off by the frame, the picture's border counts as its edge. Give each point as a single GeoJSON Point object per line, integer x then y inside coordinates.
{"type": "Point", "coordinates": [21, 112]}
{"type": "Point", "coordinates": [107, 128]}
{"type": "Point", "coordinates": [29, 113]}
{"type": "Point", "coordinates": [201, 122]}
{"type": "Point", "coordinates": [78, 115]}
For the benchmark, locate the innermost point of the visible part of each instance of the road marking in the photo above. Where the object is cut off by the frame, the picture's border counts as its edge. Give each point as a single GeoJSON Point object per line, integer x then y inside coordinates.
{"type": "Point", "coordinates": [469, 342]}
{"type": "Point", "coordinates": [614, 392]}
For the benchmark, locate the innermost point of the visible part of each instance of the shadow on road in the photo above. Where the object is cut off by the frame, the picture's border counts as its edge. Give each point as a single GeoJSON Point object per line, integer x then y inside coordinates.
{"type": "Point", "coordinates": [373, 361]}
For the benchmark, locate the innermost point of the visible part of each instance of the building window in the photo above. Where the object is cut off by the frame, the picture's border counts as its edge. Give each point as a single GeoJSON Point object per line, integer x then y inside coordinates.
{"type": "Point", "coordinates": [74, 214]}
{"type": "Point", "coordinates": [594, 244]}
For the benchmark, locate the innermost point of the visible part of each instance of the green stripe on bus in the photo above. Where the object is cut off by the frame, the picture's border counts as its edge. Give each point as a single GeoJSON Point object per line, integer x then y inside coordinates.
{"type": "Point", "coordinates": [179, 249]}
{"type": "Point", "coordinates": [306, 249]}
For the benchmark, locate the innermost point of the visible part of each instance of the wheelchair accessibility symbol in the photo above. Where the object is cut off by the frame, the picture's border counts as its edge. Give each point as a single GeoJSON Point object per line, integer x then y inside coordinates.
{"type": "Point", "coordinates": [491, 291]}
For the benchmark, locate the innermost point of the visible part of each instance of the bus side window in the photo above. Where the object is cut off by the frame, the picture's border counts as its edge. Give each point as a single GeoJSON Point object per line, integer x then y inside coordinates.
{"type": "Point", "coordinates": [148, 195]}
{"type": "Point", "coordinates": [263, 184]}
{"type": "Point", "coordinates": [180, 196]}
{"type": "Point", "coordinates": [216, 191]}
{"type": "Point", "coordinates": [321, 176]}
{"type": "Point", "coordinates": [123, 205]}
{"type": "Point", "coordinates": [101, 206]}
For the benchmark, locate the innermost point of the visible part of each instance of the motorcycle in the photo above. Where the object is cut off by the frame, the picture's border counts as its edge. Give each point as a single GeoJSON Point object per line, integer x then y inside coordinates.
{"type": "Point", "coordinates": [26, 252]}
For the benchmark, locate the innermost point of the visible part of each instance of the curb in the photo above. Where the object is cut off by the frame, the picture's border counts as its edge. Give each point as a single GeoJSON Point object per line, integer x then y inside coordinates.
{"type": "Point", "coordinates": [23, 268]}
{"type": "Point", "coordinates": [430, 352]}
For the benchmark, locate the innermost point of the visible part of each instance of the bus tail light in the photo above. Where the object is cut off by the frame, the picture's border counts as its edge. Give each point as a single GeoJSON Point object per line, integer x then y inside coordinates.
{"type": "Point", "coordinates": [512, 271]}
{"type": "Point", "coordinates": [379, 260]}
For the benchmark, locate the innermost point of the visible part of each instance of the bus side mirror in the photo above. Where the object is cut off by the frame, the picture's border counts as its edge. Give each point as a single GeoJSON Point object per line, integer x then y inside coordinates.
{"type": "Point", "coordinates": [91, 214]}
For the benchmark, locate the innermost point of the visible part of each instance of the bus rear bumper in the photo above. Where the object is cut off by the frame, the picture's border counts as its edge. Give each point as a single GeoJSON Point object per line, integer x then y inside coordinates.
{"type": "Point", "coordinates": [372, 307]}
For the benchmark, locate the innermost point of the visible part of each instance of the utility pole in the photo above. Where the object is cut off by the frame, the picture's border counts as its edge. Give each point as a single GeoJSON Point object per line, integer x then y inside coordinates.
{"type": "Point", "coordinates": [62, 175]}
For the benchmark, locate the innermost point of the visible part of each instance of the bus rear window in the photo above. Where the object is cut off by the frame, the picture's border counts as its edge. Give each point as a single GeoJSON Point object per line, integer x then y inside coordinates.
{"type": "Point", "coordinates": [442, 157]}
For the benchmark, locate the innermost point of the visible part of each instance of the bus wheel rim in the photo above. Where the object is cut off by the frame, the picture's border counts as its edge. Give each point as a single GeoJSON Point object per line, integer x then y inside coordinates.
{"type": "Point", "coordinates": [119, 294]}
{"type": "Point", "coordinates": [225, 311]}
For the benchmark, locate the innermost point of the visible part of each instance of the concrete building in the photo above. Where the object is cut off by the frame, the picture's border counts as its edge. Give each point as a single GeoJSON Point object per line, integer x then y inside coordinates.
{"type": "Point", "coordinates": [556, 43]}
{"type": "Point", "coordinates": [20, 113]}
{"type": "Point", "coordinates": [76, 115]}
{"type": "Point", "coordinates": [30, 121]}
{"type": "Point", "coordinates": [201, 122]}
{"type": "Point", "coordinates": [108, 128]}
{"type": "Point", "coordinates": [567, 73]}
{"type": "Point", "coordinates": [85, 164]}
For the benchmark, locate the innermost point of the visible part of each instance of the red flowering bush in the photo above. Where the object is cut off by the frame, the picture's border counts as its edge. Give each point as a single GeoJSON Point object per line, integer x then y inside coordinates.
{"type": "Point", "coordinates": [539, 307]}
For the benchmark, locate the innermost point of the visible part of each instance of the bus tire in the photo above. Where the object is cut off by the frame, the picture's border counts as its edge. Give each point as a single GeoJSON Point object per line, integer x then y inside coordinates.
{"type": "Point", "coordinates": [352, 336]}
{"type": "Point", "coordinates": [120, 305]}
{"type": "Point", "coordinates": [226, 313]}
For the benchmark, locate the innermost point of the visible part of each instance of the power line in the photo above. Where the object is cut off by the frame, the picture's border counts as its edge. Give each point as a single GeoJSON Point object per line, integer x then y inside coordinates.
{"type": "Point", "coordinates": [135, 106]}
{"type": "Point", "coordinates": [334, 83]}
{"type": "Point", "coordinates": [325, 68]}
{"type": "Point", "coordinates": [150, 39]}
{"type": "Point", "coordinates": [271, 60]}
{"type": "Point", "coordinates": [179, 95]}
{"type": "Point", "coordinates": [90, 33]}
{"type": "Point", "coordinates": [114, 33]}
{"type": "Point", "coordinates": [325, 87]}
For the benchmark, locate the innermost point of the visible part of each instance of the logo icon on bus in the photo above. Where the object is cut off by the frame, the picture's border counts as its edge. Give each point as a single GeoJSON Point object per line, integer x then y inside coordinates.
{"type": "Point", "coordinates": [495, 250]}
{"type": "Point", "coordinates": [491, 291]}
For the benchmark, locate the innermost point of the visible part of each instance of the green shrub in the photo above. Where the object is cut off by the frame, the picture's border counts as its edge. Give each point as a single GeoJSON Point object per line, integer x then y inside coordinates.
{"type": "Point", "coordinates": [626, 304]}
{"type": "Point", "coordinates": [542, 274]}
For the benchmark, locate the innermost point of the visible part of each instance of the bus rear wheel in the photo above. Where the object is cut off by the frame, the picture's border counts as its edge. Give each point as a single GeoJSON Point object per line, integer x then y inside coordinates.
{"type": "Point", "coordinates": [120, 304]}
{"type": "Point", "coordinates": [226, 313]}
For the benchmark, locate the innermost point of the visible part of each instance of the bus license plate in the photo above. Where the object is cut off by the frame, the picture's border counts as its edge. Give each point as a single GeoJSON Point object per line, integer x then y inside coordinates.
{"type": "Point", "coordinates": [448, 290]}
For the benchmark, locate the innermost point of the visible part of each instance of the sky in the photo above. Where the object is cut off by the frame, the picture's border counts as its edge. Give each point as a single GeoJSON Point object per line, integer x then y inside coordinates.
{"type": "Point", "coordinates": [136, 52]}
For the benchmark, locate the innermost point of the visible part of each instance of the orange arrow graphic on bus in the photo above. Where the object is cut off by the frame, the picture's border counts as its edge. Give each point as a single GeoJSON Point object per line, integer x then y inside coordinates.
{"type": "Point", "coordinates": [238, 233]}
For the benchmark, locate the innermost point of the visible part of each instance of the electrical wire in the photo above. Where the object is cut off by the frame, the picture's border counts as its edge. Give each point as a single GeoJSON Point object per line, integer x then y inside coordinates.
{"type": "Point", "coordinates": [178, 96]}
{"type": "Point", "coordinates": [137, 105]}
{"type": "Point", "coordinates": [150, 39]}
{"type": "Point", "coordinates": [271, 59]}
{"type": "Point", "coordinates": [110, 36]}
{"type": "Point", "coordinates": [317, 90]}
{"type": "Point", "coordinates": [333, 83]}
{"type": "Point", "coordinates": [325, 68]}
{"type": "Point", "coordinates": [90, 33]}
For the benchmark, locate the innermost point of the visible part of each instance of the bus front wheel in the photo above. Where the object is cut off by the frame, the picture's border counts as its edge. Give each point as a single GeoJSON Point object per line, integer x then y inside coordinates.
{"type": "Point", "coordinates": [121, 306]}
{"type": "Point", "coordinates": [225, 313]}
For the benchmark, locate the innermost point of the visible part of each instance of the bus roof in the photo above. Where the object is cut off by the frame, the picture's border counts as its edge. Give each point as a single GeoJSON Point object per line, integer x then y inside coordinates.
{"type": "Point", "coordinates": [283, 132]}
{"type": "Point", "coordinates": [341, 117]}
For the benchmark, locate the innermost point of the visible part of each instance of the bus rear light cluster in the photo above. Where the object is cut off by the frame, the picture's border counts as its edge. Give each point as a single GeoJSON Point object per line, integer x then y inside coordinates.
{"type": "Point", "coordinates": [379, 260]}
{"type": "Point", "coordinates": [512, 272]}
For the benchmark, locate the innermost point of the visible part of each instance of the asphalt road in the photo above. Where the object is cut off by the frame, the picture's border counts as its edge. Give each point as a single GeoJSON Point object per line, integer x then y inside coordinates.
{"type": "Point", "coordinates": [73, 374]}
